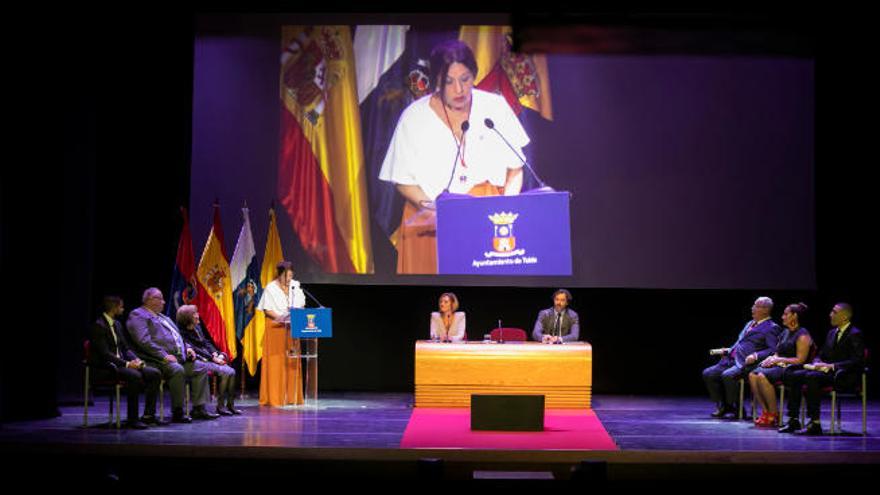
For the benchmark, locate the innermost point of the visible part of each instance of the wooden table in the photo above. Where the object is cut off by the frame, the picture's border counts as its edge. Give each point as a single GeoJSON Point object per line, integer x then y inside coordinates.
{"type": "Point", "coordinates": [447, 374]}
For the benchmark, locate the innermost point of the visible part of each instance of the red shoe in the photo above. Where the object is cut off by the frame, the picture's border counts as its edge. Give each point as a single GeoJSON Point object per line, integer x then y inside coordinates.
{"type": "Point", "coordinates": [761, 419]}
{"type": "Point", "coordinates": [767, 420]}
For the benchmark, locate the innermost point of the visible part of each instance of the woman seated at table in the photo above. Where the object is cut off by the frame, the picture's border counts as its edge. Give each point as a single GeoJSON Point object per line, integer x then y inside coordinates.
{"type": "Point", "coordinates": [448, 324]}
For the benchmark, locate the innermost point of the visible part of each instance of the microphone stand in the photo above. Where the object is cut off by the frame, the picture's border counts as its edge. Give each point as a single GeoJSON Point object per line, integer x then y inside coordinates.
{"type": "Point", "coordinates": [543, 187]}
{"type": "Point", "coordinates": [464, 127]}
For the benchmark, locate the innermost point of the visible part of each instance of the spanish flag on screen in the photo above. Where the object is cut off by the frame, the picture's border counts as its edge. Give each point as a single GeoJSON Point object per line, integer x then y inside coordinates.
{"type": "Point", "coordinates": [217, 312]}
{"type": "Point", "coordinates": [321, 181]}
{"type": "Point", "coordinates": [523, 79]}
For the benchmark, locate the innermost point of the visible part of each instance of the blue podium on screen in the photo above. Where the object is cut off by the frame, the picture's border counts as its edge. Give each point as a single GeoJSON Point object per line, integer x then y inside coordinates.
{"type": "Point", "coordinates": [311, 323]}
{"type": "Point", "coordinates": [528, 234]}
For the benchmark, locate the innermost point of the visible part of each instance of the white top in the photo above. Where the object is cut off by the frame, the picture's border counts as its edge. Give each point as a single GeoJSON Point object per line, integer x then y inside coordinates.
{"type": "Point", "coordinates": [423, 148]}
{"type": "Point", "coordinates": [278, 300]}
{"type": "Point", "coordinates": [456, 329]}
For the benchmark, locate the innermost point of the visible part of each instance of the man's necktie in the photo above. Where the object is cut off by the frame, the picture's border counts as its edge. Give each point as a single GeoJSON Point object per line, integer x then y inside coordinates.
{"type": "Point", "coordinates": [557, 328]}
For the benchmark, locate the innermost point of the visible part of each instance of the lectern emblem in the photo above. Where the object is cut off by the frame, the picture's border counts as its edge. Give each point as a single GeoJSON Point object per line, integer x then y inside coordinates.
{"type": "Point", "coordinates": [504, 241]}
{"type": "Point", "coordinates": [310, 322]}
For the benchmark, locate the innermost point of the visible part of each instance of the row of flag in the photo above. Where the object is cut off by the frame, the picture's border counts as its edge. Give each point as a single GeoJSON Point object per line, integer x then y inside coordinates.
{"type": "Point", "coordinates": [341, 97]}
{"type": "Point", "coordinates": [227, 291]}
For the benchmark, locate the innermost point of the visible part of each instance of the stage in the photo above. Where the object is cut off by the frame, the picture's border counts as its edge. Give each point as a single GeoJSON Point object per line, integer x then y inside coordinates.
{"type": "Point", "coordinates": [360, 434]}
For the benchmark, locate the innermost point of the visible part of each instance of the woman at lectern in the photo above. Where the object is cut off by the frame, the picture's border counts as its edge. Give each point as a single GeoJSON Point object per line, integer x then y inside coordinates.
{"type": "Point", "coordinates": [281, 375]}
{"type": "Point", "coordinates": [448, 324]}
{"type": "Point", "coordinates": [445, 141]}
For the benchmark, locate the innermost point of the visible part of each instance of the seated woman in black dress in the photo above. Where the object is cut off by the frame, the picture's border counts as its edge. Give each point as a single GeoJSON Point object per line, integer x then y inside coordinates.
{"type": "Point", "coordinates": [792, 352]}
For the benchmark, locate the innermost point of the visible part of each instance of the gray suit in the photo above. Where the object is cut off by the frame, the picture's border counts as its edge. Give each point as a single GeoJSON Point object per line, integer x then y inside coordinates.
{"type": "Point", "coordinates": [546, 325]}
{"type": "Point", "coordinates": [153, 336]}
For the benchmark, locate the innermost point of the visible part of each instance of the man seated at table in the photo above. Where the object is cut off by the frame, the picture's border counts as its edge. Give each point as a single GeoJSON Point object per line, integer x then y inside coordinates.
{"type": "Point", "coordinates": [557, 324]}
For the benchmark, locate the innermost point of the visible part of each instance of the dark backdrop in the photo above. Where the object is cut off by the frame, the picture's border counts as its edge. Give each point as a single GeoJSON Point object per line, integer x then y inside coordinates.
{"type": "Point", "coordinates": [114, 109]}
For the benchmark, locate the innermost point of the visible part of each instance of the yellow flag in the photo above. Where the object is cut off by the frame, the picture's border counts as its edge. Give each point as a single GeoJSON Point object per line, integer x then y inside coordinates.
{"type": "Point", "coordinates": [252, 345]}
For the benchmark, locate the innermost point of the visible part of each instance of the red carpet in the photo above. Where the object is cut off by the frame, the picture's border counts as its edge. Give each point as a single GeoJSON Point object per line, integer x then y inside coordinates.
{"type": "Point", "coordinates": [451, 428]}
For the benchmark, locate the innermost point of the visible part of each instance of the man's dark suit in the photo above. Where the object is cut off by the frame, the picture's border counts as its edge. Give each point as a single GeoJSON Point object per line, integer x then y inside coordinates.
{"type": "Point", "coordinates": [108, 356]}
{"type": "Point", "coordinates": [721, 379]}
{"type": "Point", "coordinates": [848, 357]}
{"type": "Point", "coordinates": [545, 324]}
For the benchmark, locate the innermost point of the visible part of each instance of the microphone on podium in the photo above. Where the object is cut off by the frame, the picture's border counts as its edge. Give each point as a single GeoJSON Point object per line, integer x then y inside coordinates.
{"type": "Point", "coordinates": [543, 187]}
{"type": "Point", "coordinates": [464, 128]}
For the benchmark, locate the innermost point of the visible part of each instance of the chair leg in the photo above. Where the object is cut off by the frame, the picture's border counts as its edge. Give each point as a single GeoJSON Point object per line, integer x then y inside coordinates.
{"type": "Point", "coordinates": [833, 410]}
{"type": "Point", "coordinates": [162, 400]}
{"type": "Point", "coordinates": [864, 403]}
{"type": "Point", "coordinates": [742, 393]}
{"type": "Point", "coordinates": [86, 400]}
{"type": "Point", "coordinates": [118, 405]}
{"type": "Point", "coordinates": [781, 403]}
{"type": "Point", "coordinates": [186, 399]}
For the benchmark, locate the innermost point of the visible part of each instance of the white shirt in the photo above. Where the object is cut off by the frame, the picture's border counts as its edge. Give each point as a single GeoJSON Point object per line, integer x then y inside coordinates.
{"type": "Point", "coordinates": [109, 320]}
{"type": "Point", "coordinates": [456, 327]}
{"type": "Point", "coordinates": [278, 300]}
{"type": "Point", "coordinates": [423, 148]}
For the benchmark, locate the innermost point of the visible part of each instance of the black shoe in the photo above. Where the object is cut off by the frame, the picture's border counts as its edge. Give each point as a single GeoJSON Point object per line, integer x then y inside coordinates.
{"type": "Point", "coordinates": [812, 428]}
{"type": "Point", "coordinates": [179, 417]}
{"type": "Point", "coordinates": [151, 420]}
{"type": "Point", "coordinates": [136, 425]}
{"type": "Point", "coordinates": [231, 408]}
{"type": "Point", "coordinates": [719, 412]}
{"type": "Point", "coordinates": [201, 413]}
{"type": "Point", "coordinates": [792, 426]}
{"type": "Point", "coordinates": [223, 412]}
{"type": "Point", "coordinates": [722, 411]}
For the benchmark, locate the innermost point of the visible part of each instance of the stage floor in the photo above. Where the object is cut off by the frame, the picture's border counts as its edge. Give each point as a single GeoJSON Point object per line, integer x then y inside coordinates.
{"type": "Point", "coordinates": [357, 436]}
{"type": "Point", "coordinates": [378, 421]}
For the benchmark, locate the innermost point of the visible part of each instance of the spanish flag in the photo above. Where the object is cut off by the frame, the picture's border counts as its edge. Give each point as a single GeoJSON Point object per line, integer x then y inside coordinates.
{"type": "Point", "coordinates": [321, 175]}
{"type": "Point", "coordinates": [522, 79]}
{"type": "Point", "coordinates": [218, 311]}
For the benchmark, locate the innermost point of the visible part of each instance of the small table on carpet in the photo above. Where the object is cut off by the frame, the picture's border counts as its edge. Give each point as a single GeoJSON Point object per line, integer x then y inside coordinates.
{"type": "Point", "coordinates": [447, 374]}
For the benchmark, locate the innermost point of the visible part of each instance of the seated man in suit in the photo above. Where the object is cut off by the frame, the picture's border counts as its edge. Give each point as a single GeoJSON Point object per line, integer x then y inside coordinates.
{"type": "Point", "coordinates": [157, 340]}
{"type": "Point", "coordinates": [112, 358]}
{"type": "Point", "coordinates": [757, 340]}
{"type": "Point", "coordinates": [839, 363]}
{"type": "Point", "coordinates": [189, 322]}
{"type": "Point", "coordinates": [448, 324]}
{"type": "Point", "coordinates": [557, 324]}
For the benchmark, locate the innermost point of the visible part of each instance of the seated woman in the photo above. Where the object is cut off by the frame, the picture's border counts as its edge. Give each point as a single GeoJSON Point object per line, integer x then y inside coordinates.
{"type": "Point", "coordinates": [792, 351]}
{"type": "Point", "coordinates": [448, 324]}
{"type": "Point", "coordinates": [189, 323]}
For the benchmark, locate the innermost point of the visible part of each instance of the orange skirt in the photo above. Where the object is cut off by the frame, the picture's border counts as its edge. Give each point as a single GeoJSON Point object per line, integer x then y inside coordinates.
{"type": "Point", "coordinates": [417, 243]}
{"type": "Point", "coordinates": [281, 376]}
